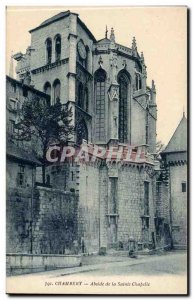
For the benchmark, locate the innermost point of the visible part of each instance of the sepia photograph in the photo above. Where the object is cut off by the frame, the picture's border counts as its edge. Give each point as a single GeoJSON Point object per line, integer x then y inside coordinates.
{"type": "Point", "coordinates": [96, 150]}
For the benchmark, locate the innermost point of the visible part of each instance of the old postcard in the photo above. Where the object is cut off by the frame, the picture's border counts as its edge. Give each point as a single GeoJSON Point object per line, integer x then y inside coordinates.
{"type": "Point", "coordinates": [96, 114]}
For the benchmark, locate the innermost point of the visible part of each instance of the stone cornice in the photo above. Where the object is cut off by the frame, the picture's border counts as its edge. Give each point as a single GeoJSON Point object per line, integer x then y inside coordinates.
{"type": "Point", "coordinates": [47, 67]}
{"type": "Point", "coordinates": [71, 74]}
{"type": "Point", "coordinates": [177, 163]}
{"type": "Point", "coordinates": [72, 35]}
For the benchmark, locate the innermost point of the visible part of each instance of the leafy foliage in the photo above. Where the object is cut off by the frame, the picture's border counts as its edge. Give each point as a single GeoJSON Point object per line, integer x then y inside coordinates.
{"type": "Point", "coordinates": [159, 147]}
{"type": "Point", "coordinates": [49, 122]}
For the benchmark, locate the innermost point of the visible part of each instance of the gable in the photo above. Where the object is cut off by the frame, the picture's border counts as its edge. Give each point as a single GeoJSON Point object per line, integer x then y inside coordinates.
{"type": "Point", "coordinates": [178, 141]}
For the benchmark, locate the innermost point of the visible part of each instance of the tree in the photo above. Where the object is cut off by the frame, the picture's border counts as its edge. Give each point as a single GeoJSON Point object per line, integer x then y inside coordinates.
{"type": "Point", "coordinates": [59, 231]}
{"type": "Point", "coordinates": [159, 147]}
{"type": "Point", "coordinates": [48, 122]}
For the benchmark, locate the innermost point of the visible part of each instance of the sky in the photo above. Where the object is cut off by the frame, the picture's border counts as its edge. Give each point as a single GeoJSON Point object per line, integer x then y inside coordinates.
{"type": "Point", "coordinates": [160, 32]}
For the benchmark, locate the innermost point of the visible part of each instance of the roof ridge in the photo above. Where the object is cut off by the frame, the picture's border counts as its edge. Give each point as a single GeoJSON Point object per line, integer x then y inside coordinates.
{"type": "Point", "coordinates": [62, 13]}
{"type": "Point", "coordinates": [172, 141]}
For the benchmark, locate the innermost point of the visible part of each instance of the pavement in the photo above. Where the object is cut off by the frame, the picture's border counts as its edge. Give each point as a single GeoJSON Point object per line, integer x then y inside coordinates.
{"type": "Point", "coordinates": [168, 262]}
{"type": "Point", "coordinates": [148, 274]}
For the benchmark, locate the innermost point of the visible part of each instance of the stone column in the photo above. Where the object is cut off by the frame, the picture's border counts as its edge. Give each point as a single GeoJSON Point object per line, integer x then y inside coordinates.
{"type": "Point", "coordinates": [72, 38]}
{"type": "Point", "coordinates": [113, 94]}
{"type": "Point", "coordinates": [152, 119]}
{"type": "Point", "coordinates": [114, 111]}
{"type": "Point", "coordinates": [112, 205]}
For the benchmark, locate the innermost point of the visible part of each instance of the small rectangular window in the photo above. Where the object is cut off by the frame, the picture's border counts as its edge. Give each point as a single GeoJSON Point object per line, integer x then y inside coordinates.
{"type": "Point", "coordinates": [21, 175]}
{"type": "Point", "coordinates": [25, 92]}
{"type": "Point", "coordinates": [158, 188]}
{"type": "Point", "coordinates": [146, 198]}
{"type": "Point", "coordinates": [22, 168]}
{"type": "Point", "coordinates": [113, 194]}
{"type": "Point", "coordinates": [21, 179]}
{"type": "Point", "coordinates": [14, 87]}
{"type": "Point", "coordinates": [183, 187]}
{"type": "Point", "coordinates": [11, 126]}
{"type": "Point", "coordinates": [147, 222]}
{"type": "Point", "coordinates": [13, 104]}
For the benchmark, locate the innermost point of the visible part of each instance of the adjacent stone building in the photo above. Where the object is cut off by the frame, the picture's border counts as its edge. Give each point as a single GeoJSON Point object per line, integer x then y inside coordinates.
{"type": "Point", "coordinates": [175, 164]}
{"type": "Point", "coordinates": [33, 210]}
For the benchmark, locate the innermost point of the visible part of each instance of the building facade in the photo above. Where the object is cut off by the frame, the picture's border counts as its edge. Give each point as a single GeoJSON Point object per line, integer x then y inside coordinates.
{"type": "Point", "coordinates": [174, 159]}
{"type": "Point", "coordinates": [104, 83]}
{"type": "Point", "coordinates": [33, 209]}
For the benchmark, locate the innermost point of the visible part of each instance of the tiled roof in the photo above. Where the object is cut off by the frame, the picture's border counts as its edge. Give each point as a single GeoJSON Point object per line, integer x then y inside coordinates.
{"type": "Point", "coordinates": [60, 16]}
{"type": "Point", "coordinates": [56, 17]}
{"type": "Point", "coordinates": [19, 154]}
{"type": "Point", "coordinates": [28, 87]}
{"type": "Point", "coordinates": [178, 141]}
{"type": "Point", "coordinates": [104, 41]}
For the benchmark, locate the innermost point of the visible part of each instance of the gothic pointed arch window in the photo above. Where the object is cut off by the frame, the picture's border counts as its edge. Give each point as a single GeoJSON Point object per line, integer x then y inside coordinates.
{"type": "Point", "coordinates": [138, 81]}
{"type": "Point", "coordinates": [81, 132]}
{"type": "Point", "coordinates": [80, 95]}
{"type": "Point", "coordinates": [57, 47]}
{"type": "Point", "coordinates": [48, 50]}
{"type": "Point", "coordinates": [47, 90]}
{"type": "Point", "coordinates": [123, 81]}
{"type": "Point", "coordinates": [86, 99]}
{"type": "Point", "coordinates": [100, 79]}
{"type": "Point", "coordinates": [56, 87]}
{"type": "Point", "coordinates": [87, 58]}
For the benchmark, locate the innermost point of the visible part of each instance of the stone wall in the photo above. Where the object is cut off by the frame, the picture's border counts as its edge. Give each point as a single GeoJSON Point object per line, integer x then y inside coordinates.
{"type": "Point", "coordinates": [132, 216]}
{"type": "Point", "coordinates": [38, 39]}
{"type": "Point", "coordinates": [18, 220]}
{"type": "Point", "coordinates": [13, 170]}
{"type": "Point", "coordinates": [18, 205]}
{"type": "Point", "coordinates": [104, 223]}
{"type": "Point", "coordinates": [162, 213]}
{"type": "Point", "coordinates": [28, 263]}
{"type": "Point", "coordinates": [178, 175]}
{"type": "Point", "coordinates": [88, 210]}
{"type": "Point", "coordinates": [103, 206]}
{"type": "Point", "coordinates": [171, 206]}
{"type": "Point", "coordinates": [83, 212]}
{"type": "Point", "coordinates": [89, 182]}
{"type": "Point", "coordinates": [55, 222]}
{"type": "Point", "coordinates": [38, 57]}
{"type": "Point", "coordinates": [50, 228]}
{"type": "Point", "coordinates": [138, 122]}
{"type": "Point", "coordinates": [152, 119]}
{"type": "Point", "coordinates": [129, 204]}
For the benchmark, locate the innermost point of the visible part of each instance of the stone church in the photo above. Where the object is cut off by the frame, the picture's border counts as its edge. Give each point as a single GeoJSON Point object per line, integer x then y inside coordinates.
{"type": "Point", "coordinates": [104, 83]}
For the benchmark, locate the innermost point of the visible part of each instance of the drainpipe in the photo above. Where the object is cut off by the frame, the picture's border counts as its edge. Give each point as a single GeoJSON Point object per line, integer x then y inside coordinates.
{"type": "Point", "coordinates": [99, 217]}
{"type": "Point", "coordinates": [99, 229]}
{"type": "Point", "coordinates": [32, 196]}
{"type": "Point", "coordinates": [170, 206]}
